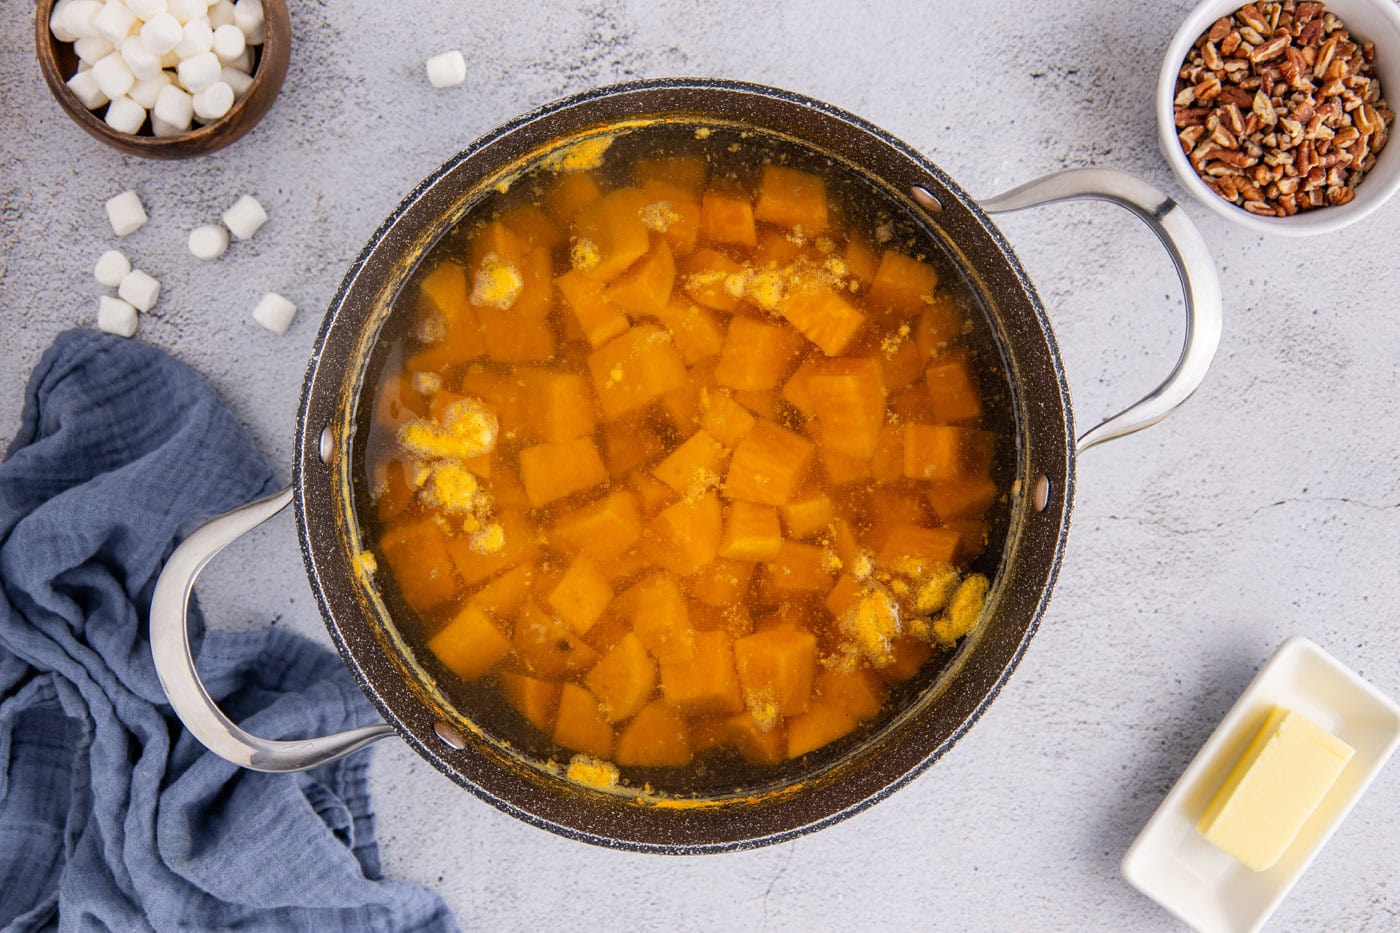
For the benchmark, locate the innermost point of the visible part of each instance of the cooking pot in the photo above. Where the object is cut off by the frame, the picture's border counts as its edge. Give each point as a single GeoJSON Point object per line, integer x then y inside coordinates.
{"type": "Point", "coordinates": [827, 790]}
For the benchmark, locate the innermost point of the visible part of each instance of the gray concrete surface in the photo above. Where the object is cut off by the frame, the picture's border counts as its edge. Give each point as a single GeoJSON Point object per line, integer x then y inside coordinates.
{"type": "Point", "coordinates": [1269, 506]}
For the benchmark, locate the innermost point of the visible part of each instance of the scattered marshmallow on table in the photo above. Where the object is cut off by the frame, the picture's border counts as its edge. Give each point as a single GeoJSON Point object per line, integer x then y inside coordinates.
{"type": "Point", "coordinates": [208, 242]}
{"type": "Point", "coordinates": [245, 218]}
{"type": "Point", "coordinates": [126, 213]}
{"type": "Point", "coordinates": [447, 70]}
{"type": "Point", "coordinates": [274, 312]}
{"type": "Point", "coordinates": [139, 290]}
{"type": "Point", "coordinates": [111, 268]}
{"type": "Point", "coordinates": [116, 316]}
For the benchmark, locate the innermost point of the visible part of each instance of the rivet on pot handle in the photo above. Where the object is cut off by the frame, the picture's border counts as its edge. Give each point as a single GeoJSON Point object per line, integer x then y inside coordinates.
{"type": "Point", "coordinates": [1187, 249]}
{"type": "Point", "coordinates": [170, 648]}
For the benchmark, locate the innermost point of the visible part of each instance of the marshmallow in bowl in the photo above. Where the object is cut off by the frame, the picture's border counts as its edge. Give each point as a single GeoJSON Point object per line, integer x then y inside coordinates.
{"type": "Point", "coordinates": [125, 115]}
{"type": "Point", "coordinates": [84, 87]}
{"type": "Point", "coordinates": [213, 102]}
{"type": "Point", "coordinates": [174, 108]}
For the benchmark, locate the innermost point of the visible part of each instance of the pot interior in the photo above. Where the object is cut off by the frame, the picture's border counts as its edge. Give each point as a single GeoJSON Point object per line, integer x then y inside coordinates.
{"type": "Point", "coordinates": [718, 801]}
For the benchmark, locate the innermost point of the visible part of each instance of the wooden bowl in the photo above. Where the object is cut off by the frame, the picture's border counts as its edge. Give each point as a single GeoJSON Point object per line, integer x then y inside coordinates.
{"type": "Point", "coordinates": [58, 62]}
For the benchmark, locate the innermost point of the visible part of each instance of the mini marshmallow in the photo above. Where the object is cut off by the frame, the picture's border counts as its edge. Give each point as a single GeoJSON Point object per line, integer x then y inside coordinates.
{"type": "Point", "coordinates": [447, 70]}
{"type": "Point", "coordinates": [243, 63]}
{"type": "Point", "coordinates": [162, 33]}
{"type": "Point", "coordinates": [174, 108]}
{"type": "Point", "coordinates": [57, 24]}
{"type": "Point", "coordinates": [93, 48]}
{"type": "Point", "coordinates": [229, 43]}
{"type": "Point", "coordinates": [142, 61]}
{"type": "Point", "coordinates": [198, 37]}
{"type": "Point", "coordinates": [147, 92]}
{"type": "Point", "coordinates": [114, 22]}
{"type": "Point", "coordinates": [213, 101]}
{"type": "Point", "coordinates": [84, 87]}
{"type": "Point", "coordinates": [116, 316]}
{"type": "Point", "coordinates": [125, 115]}
{"type": "Point", "coordinates": [248, 16]}
{"type": "Point", "coordinates": [126, 213]}
{"type": "Point", "coordinates": [112, 75]}
{"type": "Point", "coordinates": [139, 290]}
{"type": "Point", "coordinates": [160, 128]}
{"type": "Point", "coordinates": [145, 9]}
{"type": "Point", "coordinates": [187, 10]}
{"type": "Point", "coordinates": [111, 268]}
{"type": "Point", "coordinates": [208, 242]}
{"type": "Point", "coordinates": [245, 218]}
{"type": "Point", "coordinates": [275, 313]}
{"type": "Point", "coordinates": [239, 81]}
{"type": "Point", "coordinates": [221, 14]}
{"type": "Point", "coordinates": [199, 71]}
{"type": "Point", "coordinates": [80, 19]}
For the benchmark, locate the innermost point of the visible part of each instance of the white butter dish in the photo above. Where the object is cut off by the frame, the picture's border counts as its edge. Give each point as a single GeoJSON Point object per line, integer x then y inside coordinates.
{"type": "Point", "coordinates": [1174, 865]}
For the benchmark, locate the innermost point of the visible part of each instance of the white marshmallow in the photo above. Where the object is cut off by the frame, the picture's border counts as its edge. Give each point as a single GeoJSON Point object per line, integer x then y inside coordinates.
{"type": "Point", "coordinates": [93, 48]}
{"type": "Point", "coordinates": [198, 37]}
{"type": "Point", "coordinates": [244, 62]}
{"type": "Point", "coordinates": [114, 22]}
{"type": "Point", "coordinates": [139, 290]}
{"type": "Point", "coordinates": [229, 43]}
{"type": "Point", "coordinates": [447, 70]}
{"type": "Point", "coordinates": [145, 9]}
{"type": "Point", "coordinates": [112, 75]}
{"type": "Point", "coordinates": [125, 115]}
{"type": "Point", "coordinates": [213, 102]}
{"type": "Point", "coordinates": [275, 313]}
{"type": "Point", "coordinates": [147, 92]}
{"type": "Point", "coordinates": [111, 268]}
{"type": "Point", "coordinates": [161, 128]}
{"type": "Point", "coordinates": [57, 24]}
{"type": "Point", "coordinates": [80, 19]}
{"type": "Point", "coordinates": [162, 33]}
{"type": "Point", "coordinates": [221, 14]}
{"type": "Point", "coordinates": [187, 10]}
{"type": "Point", "coordinates": [245, 218]}
{"type": "Point", "coordinates": [237, 80]}
{"type": "Point", "coordinates": [116, 316]}
{"type": "Point", "coordinates": [248, 16]}
{"type": "Point", "coordinates": [174, 108]}
{"type": "Point", "coordinates": [199, 71]}
{"type": "Point", "coordinates": [142, 61]}
{"type": "Point", "coordinates": [126, 213]}
{"type": "Point", "coordinates": [84, 87]}
{"type": "Point", "coordinates": [208, 242]}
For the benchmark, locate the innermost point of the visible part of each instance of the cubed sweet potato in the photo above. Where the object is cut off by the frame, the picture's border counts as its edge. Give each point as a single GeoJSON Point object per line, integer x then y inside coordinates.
{"type": "Point", "coordinates": [848, 397]}
{"type": "Point", "coordinates": [520, 546]}
{"type": "Point", "coordinates": [697, 331]}
{"type": "Point", "coordinates": [532, 225]}
{"type": "Point", "coordinates": [797, 390]}
{"type": "Point", "coordinates": [558, 405]}
{"type": "Point", "coordinates": [687, 173]}
{"type": "Point", "coordinates": [652, 494]}
{"type": "Point", "coordinates": [776, 668]}
{"type": "Point", "coordinates": [961, 498]}
{"type": "Point", "coordinates": [598, 318]}
{"type": "Point", "coordinates": [624, 680]}
{"type": "Point", "coordinates": [673, 214]}
{"type": "Point", "coordinates": [791, 198]}
{"type": "Point", "coordinates": [604, 528]}
{"type": "Point", "coordinates": [799, 568]}
{"type": "Point", "coordinates": [938, 325]}
{"type": "Point", "coordinates": [887, 465]}
{"type": "Point", "coordinates": [769, 465]}
{"type": "Point", "coordinates": [808, 513]}
{"type": "Point", "coordinates": [635, 370]}
{"type": "Point", "coordinates": [610, 231]}
{"type": "Point", "coordinates": [581, 595]}
{"type": "Point", "coordinates": [725, 419]}
{"type": "Point", "coordinates": [859, 692]}
{"type": "Point", "coordinates": [645, 288]}
{"type": "Point", "coordinates": [726, 217]}
{"type": "Point", "coordinates": [696, 464]}
{"type": "Point", "coordinates": [548, 647]}
{"type": "Point", "coordinates": [758, 745]}
{"type": "Point", "coordinates": [632, 443]}
{"type": "Point", "coordinates": [655, 738]}
{"type": "Point", "coordinates": [705, 682]}
{"type": "Point", "coordinates": [722, 583]}
{"type": "Point", "coordinates": [553, 471]}
{"type": "Point", "coordinates": [943, 453]}
{"type": "Point", "coordinates": [684, 536]}
{"type": "Point", "coordinates": [861, 261]}
{"type": "Point", "coordinates": [907, 659]}
{"type": "Point", "coordinates": [756, 356]}
{"type": "Point", "coordinates": [705, 275]}
{"type": "Point", "coordinates": [580, 725]}
{"type": "Point", "coordinates": [660, 619]}
{"type": "Point", "coordinates": [822, 316]}
{"type": "Point", "coordinates": [534, 699]}
{"type": "Point", "coordinates": [471, 644]}
{"type": "Point", "coordinates": [901, 361]}
{"type": "Point", "coordinates": [901, 286]}
{"type": "Point", "coordinates": [953, 389]}
{"type": "Point", "coordinates": [504, 594]}
{"type": "Point", "coordinates": [569, 194]}
{"type": "Point", "coordinates": [392, 494]}
{"type": "Point", "coordinates": [841, 470]}
{"type": "Point", "coordinates": [417, 554]}
{"type": "Point", "coordinates": [443, 298]}
{"type": "Point", "coordinates": [915, 549]}
{"type": "Point", "coordinates": [823, 723]}
{"type": "Point", "coordinates": [752, 532]}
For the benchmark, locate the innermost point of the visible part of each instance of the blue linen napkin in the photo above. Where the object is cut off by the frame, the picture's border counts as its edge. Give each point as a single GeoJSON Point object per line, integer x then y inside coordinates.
{"type": "Point", "coordinates": [111, 815]}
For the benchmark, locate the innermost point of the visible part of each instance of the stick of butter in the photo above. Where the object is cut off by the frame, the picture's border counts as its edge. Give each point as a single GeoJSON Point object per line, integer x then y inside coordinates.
{"type": "Point", "coordinates": [1283, 775]}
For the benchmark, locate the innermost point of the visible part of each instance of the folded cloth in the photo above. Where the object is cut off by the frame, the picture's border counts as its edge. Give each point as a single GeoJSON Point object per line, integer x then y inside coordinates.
{"type": "Point", "coordinates": [111, 815]}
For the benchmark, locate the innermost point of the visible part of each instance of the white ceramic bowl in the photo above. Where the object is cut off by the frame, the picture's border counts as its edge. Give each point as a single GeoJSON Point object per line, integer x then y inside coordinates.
{"type": "Point", "coordinates": [1375, 21]}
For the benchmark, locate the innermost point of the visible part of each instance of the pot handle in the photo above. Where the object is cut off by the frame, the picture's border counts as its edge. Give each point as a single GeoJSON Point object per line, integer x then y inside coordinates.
{"type": "Point", "coordinates": [170, 649]}
{"type": "Point", "coordinates": [1187, 248]}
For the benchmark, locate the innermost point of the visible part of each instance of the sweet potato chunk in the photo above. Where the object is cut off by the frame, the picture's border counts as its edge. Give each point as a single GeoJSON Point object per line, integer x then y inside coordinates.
{"type": "Point", "coordinates": [861, 261]}
{"type": "Point", "coordinates": [655, 738]}
{"type": "Point", "coordinates": [581, 594]}
{"type": "Point", "coordinates": [705, 276]}
{"type": "Point", "coordinates": [512, 339]}
{"type": "Point", "coordinates": [471, 644]}
{"type": "Point", "coordinates": [635, 370]}
{"type": "Point", "coordinates": [940, 323]}
{"type": "Point", "coordinates": [756, 356]}
{"type": "Point", "coordinates": [848, 397]}
{"type": "Point", "coordinates": [646, 287]}
{"type": "Point", "coordinates": [751, 532]}
{"type": "Point", "coordinates": [598, 318]}
{"type": "Point", "coordinates": [553, 471]}
{"type": "Point", "coordinates": [859, 692]}
{"type": "Point", "coordinates": [417, 554]}
{"type": "Point", "coordinates": [660, 619]}
{"type": "Point", "coordinates": [558, 406]}
{"type": "Point", "coordinates": [548, 647]}
{"type": "Point", "coordinates": [961, 498]}
{"type": "Point", "coordinates": [652, 494]}
{"type": "Point", "coordinates": [722, 582]}
{"type": "Point", "coordinates": [520, 546]}
{"type": "Point", "coordinates": [580, 725]}
{"type": "Point", "coordinates": [758, 745]}
{"type": "Point", "coordinates": [536, 700]}
{"type": "Point", "coordinates": [686, 173]}
{"type": "Point", "coordinates": [706, 681]}
{"type": "Point", "coordinates": [797, 391]}
{"type": "Point", "coordinates": [943, 453]}
{"type": "Point", "coordinates": [769, 465]}
{"type": "Point", "coordinates": [624, 680]}
{"type": "Point", "coordinates": [696, 331]}
{"type": "Point", "coordinates": [532, 225]}
{"type": "Point", "coordinates": [790, 198]}
{"type": "Point", "coordinates": [610, 235]}
{"type": "Point", "coordinates": [901, 285]}
{"type": "Point", "coordinates": [503, 595]}
{"type": "Point", "coordinates": [908, 657]}
{"type": "Point", "coordinates": [604, 528]}
{"type": "Point", "coordinates": [443, 296]}
{"type": "Point", "coordinates": [672, 213]}
{"type": "Point", "coordinates": [901, 363]}
{"type": "Point", "coordinates": [725, 419]}
{"type": "Point", "coordinates": [684, 537]}
{"type": "Point", "coordinates": [887, 465]}
{"type": "Point", "coordinates": [808, 513]}
{"type": "Point", "coordinates": [776, 668]}
{"type": "Point", "coordinates": [952, 389]}
{"type": "Point", "coordinates": [823, 317]}
{"type": "Point", "coordinates": [822, 724]}
{"type": "Point", "coordinates": [727, 217]}
{"type": "Point", "coordinates": [695, 465]}
{"type": "Point", "coordinates": [911, 547]}
{"type": "Point", "coordinates": [569, 194]}
{"type": "Point", "coordinates": [799, 568]}
{"type": "Point", "coordinates": [632, 443]}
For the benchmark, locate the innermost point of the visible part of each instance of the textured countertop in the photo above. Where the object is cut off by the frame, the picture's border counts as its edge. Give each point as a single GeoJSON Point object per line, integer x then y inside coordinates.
{"type": "Point", "coordinates": [1268, 506]}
